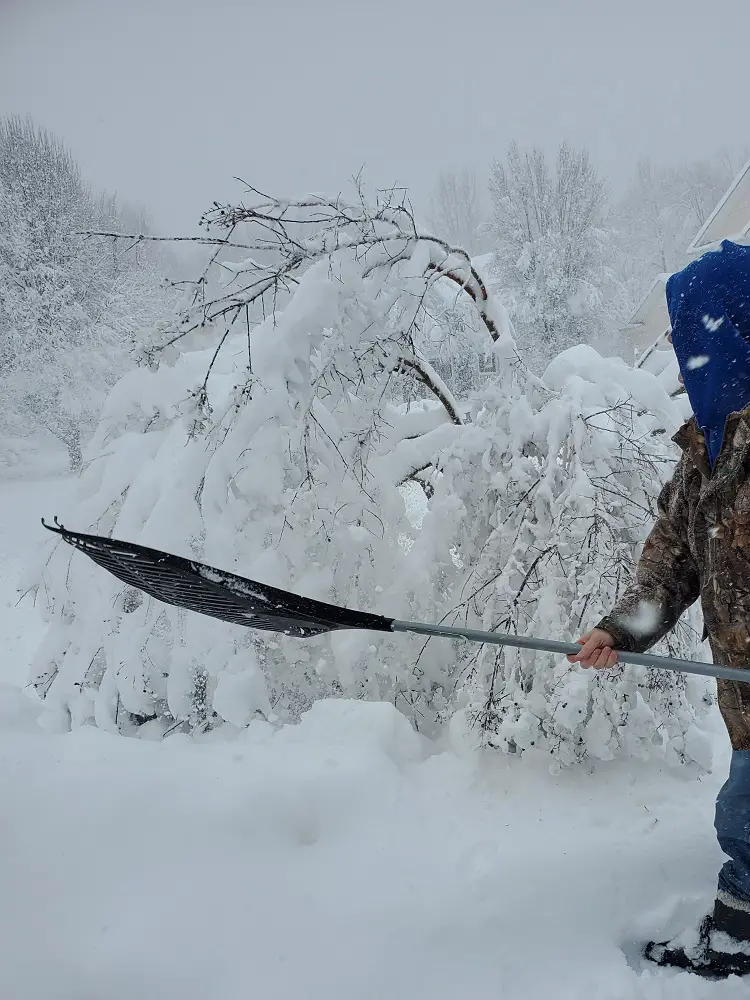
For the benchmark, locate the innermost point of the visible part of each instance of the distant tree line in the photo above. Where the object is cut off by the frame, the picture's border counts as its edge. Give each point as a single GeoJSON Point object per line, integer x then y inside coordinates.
{"type": "Point", "coordinates": [69, 306]}
{"type": "Point", "coordinates": [570, 261]}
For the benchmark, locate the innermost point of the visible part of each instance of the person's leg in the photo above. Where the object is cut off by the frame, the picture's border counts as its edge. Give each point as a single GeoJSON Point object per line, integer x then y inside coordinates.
{"type": "Point", "coordinates": [733, 832]}
{"type": "Point", "coordinates": [721, 946]}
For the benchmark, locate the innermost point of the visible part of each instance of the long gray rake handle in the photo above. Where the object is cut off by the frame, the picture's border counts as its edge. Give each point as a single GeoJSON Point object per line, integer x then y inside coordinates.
{"type": "Point", "coordinates": [551, 646]}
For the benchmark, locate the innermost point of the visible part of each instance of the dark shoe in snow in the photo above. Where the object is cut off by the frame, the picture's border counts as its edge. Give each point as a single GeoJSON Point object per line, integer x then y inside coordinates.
{"type": "Point", "coordinates": [718, 949]}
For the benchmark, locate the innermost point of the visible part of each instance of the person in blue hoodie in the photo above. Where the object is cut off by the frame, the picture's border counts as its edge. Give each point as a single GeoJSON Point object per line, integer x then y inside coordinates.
{"type": "Point", "coordinates": [699, 548]}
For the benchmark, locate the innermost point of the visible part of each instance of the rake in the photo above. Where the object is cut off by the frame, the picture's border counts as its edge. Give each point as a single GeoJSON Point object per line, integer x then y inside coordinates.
{"type": "Point", "coordinates": [185, 583]}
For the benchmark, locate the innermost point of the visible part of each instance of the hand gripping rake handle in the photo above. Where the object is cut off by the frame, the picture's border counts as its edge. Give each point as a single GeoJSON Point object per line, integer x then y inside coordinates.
{"type": "Point", "coordinates": [185, 583]}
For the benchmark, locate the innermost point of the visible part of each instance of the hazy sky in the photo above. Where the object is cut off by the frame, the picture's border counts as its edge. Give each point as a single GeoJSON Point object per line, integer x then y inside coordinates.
{"type": "Point", "coordinates": [166, 100]}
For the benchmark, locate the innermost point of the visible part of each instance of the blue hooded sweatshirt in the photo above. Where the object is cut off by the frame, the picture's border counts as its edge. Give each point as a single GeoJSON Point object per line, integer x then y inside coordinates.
{"type": "Point", "coordinates": [709, 308]}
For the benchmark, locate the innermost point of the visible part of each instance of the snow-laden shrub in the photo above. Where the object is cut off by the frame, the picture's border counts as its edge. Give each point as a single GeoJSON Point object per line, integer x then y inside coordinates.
{"type": "Point", "coordinates": [281, 453]}
{"type": "Point", "coordinates": [557, 482]}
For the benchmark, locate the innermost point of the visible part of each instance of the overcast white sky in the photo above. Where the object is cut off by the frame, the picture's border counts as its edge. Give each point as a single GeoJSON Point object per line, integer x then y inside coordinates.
{"type": "Point", "coordinates": [165, 100]}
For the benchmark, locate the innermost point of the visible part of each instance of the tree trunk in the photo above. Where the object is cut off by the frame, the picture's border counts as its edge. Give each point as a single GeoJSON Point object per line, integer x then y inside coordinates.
{"type": "Point", "coordinates": [75, 453]}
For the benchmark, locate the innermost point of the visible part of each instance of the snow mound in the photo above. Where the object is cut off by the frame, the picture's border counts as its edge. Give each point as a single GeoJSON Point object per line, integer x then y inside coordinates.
{"type": "Point", "coordinates": [335, 772]}
{"type": "Point", "coordinates": [349, 727]}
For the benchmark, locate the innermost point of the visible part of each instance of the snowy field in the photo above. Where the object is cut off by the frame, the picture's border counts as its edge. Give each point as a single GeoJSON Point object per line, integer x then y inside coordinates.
{"type": "Point", "coordinates": [341, 858]}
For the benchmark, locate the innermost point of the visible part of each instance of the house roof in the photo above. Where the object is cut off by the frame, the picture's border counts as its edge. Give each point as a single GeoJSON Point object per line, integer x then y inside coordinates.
{"type": "Point", "coordinates": [730, 220]}
{"type": "Point", "coordinates": [651, 318]}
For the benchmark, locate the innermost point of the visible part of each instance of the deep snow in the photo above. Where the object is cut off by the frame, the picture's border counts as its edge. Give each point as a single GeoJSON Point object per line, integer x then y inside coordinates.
{"type": "Point", "coordinates": [343, 857]}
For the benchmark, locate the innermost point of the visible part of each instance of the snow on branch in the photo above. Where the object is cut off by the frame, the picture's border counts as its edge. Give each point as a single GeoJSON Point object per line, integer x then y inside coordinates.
{"type": "Point", "coordinates": [423, 372]}
{"type": "Point", "coordinates": [283, 237]}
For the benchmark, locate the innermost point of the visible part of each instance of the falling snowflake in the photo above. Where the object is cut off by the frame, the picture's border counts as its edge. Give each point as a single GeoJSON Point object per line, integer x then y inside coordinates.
{"type": "Point", "coordinates": [712, 325]}
{"type": "Point", "coordinates": [698, 361]}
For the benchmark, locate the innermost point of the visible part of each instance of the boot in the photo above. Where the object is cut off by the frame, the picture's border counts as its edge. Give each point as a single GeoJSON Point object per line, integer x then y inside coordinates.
{"type": "Point", "coordinates": [720, 948]}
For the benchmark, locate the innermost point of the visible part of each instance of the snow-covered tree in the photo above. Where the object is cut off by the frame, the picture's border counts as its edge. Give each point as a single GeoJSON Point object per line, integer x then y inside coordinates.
{"type": "Point", "coordinates": [557, 482]}
{"type": "Point", "coordinates": [280, 448]}
{"type": "Point", "coordinates": [457, 210]}
{"type": "Point", "coordinates": [65, 315]}
{"type": "Point", "coordinates": [552, 254]}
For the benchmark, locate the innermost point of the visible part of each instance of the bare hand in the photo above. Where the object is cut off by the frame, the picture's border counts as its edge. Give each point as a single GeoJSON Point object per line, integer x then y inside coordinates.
{"type": "Point", "coordinates": [596, 650]}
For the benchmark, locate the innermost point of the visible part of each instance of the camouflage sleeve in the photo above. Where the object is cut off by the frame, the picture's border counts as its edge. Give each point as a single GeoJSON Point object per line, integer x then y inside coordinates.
{"type": "Point", "coordinates": [666, 580]}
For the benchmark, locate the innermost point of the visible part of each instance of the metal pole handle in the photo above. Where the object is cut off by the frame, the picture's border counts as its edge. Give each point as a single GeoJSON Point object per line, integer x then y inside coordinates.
{"type": "Point", "coordinates": [566, 648]}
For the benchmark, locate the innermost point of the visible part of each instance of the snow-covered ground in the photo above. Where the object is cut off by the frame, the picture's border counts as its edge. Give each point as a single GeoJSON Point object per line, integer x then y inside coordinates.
{"type": "Point", "coordinates": [341, 858]}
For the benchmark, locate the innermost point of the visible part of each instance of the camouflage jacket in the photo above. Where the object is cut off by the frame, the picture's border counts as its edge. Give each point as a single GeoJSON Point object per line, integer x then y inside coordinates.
{"type": "Point", "coordinates": [699, 547]}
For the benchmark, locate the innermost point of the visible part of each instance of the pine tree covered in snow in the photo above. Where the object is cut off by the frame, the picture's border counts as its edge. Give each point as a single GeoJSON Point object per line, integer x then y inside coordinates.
{"type": "Point", "coordinates": [272, 432]}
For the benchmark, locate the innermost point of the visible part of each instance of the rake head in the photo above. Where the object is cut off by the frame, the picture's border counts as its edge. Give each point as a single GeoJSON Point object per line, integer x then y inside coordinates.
{"type": "Point", "coordinates": [194, 586]}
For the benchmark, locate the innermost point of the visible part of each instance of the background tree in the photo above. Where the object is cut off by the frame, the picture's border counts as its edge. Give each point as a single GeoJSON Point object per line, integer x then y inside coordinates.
{"type": "Point", "coordinates": [660, 213]}
{"type": "Point", "coordinates": [68, 307]}
{"type": "Point", "coordinates": [552, 255]}
{"type": "Point", "coordinates": [458, 211]}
